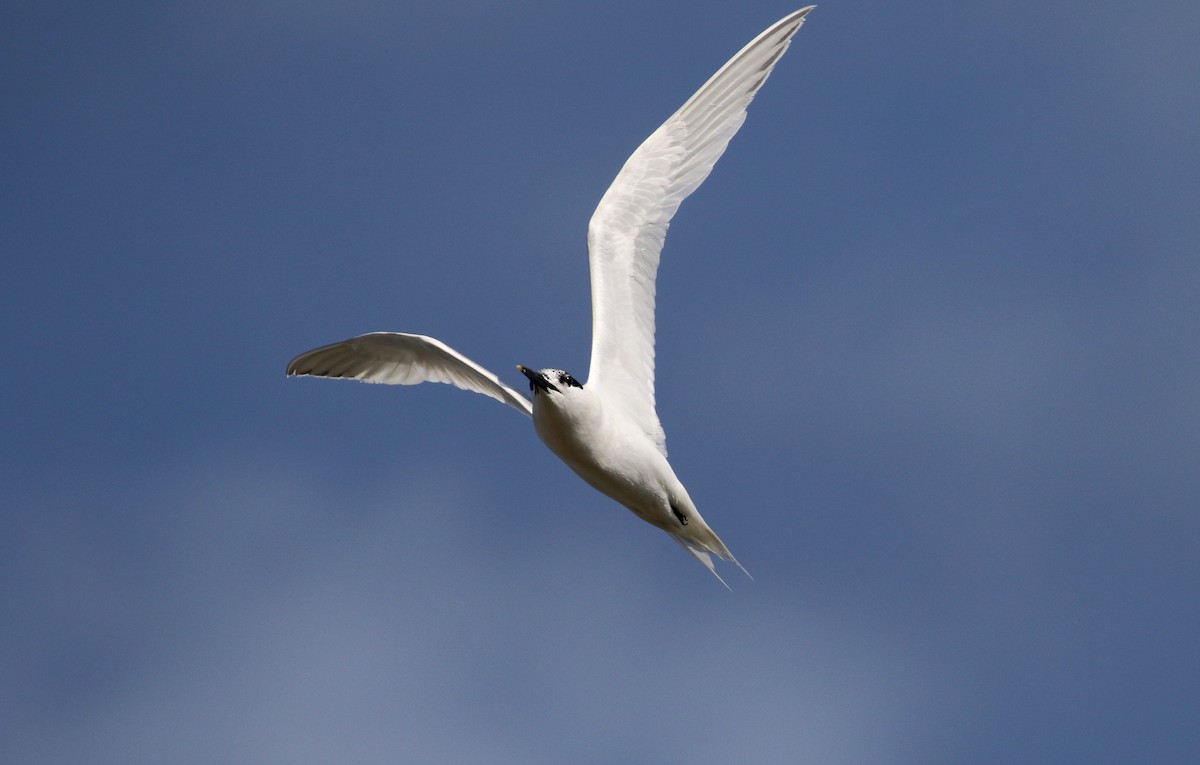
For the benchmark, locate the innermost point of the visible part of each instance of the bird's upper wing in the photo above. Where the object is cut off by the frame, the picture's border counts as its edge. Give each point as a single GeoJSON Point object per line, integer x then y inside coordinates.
{"type": "Point", "coordinates": [629, 225]}
{"type": "Point", "coordinates": [396, 358]}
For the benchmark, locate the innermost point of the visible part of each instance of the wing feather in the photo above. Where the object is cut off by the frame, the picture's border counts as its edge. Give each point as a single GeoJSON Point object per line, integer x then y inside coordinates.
{"type": "Point", "coordinates": [627, 230]}
{"type": "Point", "coordinates": [396, 358]}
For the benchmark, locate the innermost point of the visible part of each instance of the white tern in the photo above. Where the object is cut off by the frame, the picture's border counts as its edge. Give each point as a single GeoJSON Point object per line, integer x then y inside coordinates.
{"type": "Point", "coordinates": [606, 429]}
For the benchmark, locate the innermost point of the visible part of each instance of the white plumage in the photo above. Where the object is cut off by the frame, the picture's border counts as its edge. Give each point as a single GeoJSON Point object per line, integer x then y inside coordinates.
{"type": "Point", "coordinates": [606, 430]}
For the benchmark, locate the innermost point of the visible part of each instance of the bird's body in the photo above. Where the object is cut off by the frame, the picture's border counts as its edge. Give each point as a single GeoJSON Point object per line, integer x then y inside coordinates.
{"type": "Point", "coordinates": [606, 430]}
{"type": "Point", "coordinates": [609, 451]}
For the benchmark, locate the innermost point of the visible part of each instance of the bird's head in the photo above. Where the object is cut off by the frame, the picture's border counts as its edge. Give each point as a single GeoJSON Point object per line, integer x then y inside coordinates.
{"type": "Point", "coordinates": [549, 380]}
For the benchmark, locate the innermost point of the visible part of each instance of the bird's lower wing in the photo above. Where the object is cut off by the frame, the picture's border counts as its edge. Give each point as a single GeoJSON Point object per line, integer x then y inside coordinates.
{"type": "Point", "coordinates": [627, 229]}
{"type": "Point", "coordinates": [395, 358]}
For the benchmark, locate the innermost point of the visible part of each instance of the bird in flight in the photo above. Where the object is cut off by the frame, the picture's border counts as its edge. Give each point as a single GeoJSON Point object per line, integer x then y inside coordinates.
{"type": "Point", "coordinates": [605, 429]}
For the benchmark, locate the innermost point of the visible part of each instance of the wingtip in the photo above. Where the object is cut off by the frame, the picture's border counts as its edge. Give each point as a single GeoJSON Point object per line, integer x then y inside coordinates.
{"type": "Point", "coordinates": [293, 367]}
{"type": "Point", "coordinates": [799, 16]}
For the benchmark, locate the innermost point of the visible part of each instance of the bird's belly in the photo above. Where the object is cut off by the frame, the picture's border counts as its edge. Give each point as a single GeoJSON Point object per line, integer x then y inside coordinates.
{"type": "Point", "coordinates": [634, 474]}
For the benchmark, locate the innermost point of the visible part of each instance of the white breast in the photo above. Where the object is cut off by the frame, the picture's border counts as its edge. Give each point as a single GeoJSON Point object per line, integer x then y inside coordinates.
{"type": "Point", "coordinates": [609, 452]}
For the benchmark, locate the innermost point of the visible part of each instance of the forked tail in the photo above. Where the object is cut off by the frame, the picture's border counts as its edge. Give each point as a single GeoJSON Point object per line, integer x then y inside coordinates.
{"type": "Point", "coordinates": [702, 543]}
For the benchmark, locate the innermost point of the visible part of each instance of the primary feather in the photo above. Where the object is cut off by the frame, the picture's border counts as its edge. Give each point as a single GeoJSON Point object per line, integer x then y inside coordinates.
{"type": "Point", "coordinates": [627, 230]}
{"type": "Point", "coordinates": [397, 358]}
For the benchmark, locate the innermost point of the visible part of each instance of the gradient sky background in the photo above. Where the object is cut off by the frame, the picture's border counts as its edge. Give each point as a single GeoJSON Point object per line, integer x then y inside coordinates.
{"type": "Point", "coordinates": [929, 352]}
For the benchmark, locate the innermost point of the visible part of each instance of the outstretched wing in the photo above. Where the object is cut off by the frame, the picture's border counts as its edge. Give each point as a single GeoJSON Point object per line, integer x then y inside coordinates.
{"type": "Point", "coordinates": [627, 229]}
{"type": "Point", "coordinates": [396, 358]}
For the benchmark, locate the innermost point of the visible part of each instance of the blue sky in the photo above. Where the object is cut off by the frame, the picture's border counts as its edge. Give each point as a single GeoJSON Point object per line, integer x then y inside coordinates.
{"type": "Point", "coordinates": [928, 359]}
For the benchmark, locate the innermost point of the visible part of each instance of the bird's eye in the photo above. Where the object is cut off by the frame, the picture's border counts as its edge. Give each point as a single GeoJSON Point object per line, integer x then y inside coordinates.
{"type": "Point", "coordinates": [566, 379]}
